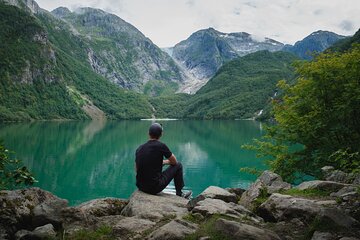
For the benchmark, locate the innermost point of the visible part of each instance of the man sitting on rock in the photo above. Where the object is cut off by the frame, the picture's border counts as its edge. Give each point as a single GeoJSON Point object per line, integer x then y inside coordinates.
{"type": "Point", "coordinates": [149, 162]}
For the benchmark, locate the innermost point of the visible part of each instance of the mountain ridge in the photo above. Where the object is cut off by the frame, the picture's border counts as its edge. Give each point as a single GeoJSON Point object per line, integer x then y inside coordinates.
{"type": "Point", "coordinates": [119, 51]}
{"type": "Point", "coordinates": [206, 50]}
{"type": "Point", "coordinates": [313, 44]}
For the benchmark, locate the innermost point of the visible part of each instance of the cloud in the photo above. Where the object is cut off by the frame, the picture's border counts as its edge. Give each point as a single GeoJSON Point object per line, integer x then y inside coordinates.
{"type": "Point", "coordinates": [347, 25]}
{"type": "Point", "coordinates": [167, 22]}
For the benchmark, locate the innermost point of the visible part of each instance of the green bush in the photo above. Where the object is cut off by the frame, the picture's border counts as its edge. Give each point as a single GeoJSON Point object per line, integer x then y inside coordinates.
{"type": "Point", "coordinates": [318, 118]}
{"type": "Point", "coordinates": [12, 172]}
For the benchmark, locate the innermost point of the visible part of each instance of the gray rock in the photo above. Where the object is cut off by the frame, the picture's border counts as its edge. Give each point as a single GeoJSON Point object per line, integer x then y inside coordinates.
{"type": "Point", "coordinates": [219, 193]}
{"type": "Point", "coordinates": [242, 231]}
{"type": "Point", "coordinates": [44, 232]}
{"type": "Point", "coordinates": [209, 207]}
{"type": "Point", "coordinates": [273, 182]}
{"type": "Point", "coordinates": [283, 207]}
{"type": "Point", "coordinates": [333, 216]}
{"type": "Point", "coordinates": [129, 226]}
{"type": "Point", "coordinates": [345, 191]}
{"type": "Point", "coordinates": [337, 176]}
{"type": "Point", "coordinates": [174, 230]}
{"type": "Point", "coordinates": [268, 182]}
{"type": "Point", "coordinates": [356, 180]}
{"type": "Point", "coordinates": [154, 207]}
{"type": "Point", "coordinates": [322, 185]}
{"type": "Point", "coordinates": [327, 169]}
{"type": "Point", "coordinates": [214, 193]}
{"type": "Point", "coordinates": [28, 208]}
{"type": "Point", "coordinates": [49, 212]}
{"type": "Point", "coordinates": [349, 238]}
{"type": "Point", "coordinates": [322, 236]}
{"type": "Point", "coordinates": [249, 196]}
{"type": "Point", "coordinates": [21, 234]}
{"type": "Point", "coordinates": [237, 191]}
{"type": "Point", "coordinates": [89, 211]}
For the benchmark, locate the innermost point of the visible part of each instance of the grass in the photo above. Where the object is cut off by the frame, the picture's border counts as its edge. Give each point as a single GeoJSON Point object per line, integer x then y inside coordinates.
{"type": "Point", "coordinates": [206, 227]}
{"type": "Point", "coordinates": [308, 193]}
{"type": "Point", "coordinates": [194, 218]}
{"type": "Point", "coordinates": [166, 219]}
{"type": "Point", "coordinates": [263, 196]}
{"type": "Point", "coordinates": [102, 233]}
{"type": "Point", "coordinates": [321, 225]}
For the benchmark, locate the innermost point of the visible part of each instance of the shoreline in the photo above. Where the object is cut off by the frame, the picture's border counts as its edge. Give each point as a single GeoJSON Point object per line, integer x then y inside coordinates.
{"type": "Point", "coordinates": [270, 209]}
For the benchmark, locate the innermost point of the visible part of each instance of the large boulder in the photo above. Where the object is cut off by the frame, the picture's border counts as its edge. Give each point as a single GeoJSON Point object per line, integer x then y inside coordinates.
{"type": "Point", "coordinates": [97, 212]}
{"type": "Point", "coordinates": [345, 192]}
{"type": "Point", "coordinates": [235, 230]}
{"type": "Point", "coordinates": [174, 230]}
{"type": "Point", "coordinates": [256, 190]}
{"type": "Point", "coordinates": [349, 200]}
{"type": "Point", "coordinates": [322, 185]}
{"type": "Point", "coordinates": [273, 182]}
{"type": "Point", "coordinates": [209, 206]}
{"type": "Point", "coordinates": [330, 174]}
{"type": "Point", "coordinates": [154, 207]}
{"type": "Point", "coordinates": [93, 209]}
{"type": "Point", "coordinates": [214, 193]}
{"type": "Point", "coordinates": [338, 176]}
{"type": "Point", "coordinates": [284, 207]}
{"type": "Point", "coordinates": [43, 232]}
{"type": "Point", "coordinates": [267, 183]}
{"type": "Point", "coordinates": [29, 208]}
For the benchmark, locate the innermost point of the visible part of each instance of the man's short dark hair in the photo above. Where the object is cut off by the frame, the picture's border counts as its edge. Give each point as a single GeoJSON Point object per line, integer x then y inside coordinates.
{"type": "Point", "coordinates": [155, 130]}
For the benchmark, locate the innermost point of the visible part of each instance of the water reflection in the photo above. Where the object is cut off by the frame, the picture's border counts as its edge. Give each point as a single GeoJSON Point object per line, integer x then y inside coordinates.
{"type": "Point", "coordinates": [84, 160]}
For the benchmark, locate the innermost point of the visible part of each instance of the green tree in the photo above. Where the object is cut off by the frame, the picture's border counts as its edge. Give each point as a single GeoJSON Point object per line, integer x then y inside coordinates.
{"type": "Point", "coordinates": [12, 171]}
{"type": "Point", "coordinates": [318, 118]}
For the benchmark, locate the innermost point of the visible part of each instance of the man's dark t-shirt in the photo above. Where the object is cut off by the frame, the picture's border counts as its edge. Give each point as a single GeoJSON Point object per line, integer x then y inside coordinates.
{"type": "Point", "coordinates": [149, 162]}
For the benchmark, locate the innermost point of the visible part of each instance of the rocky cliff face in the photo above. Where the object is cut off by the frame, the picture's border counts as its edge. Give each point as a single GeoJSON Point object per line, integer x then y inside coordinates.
{"type": "Point", "coordinates": [120, 52]}
{"type": "Point", "coordinates": [205, 51]}
{"type": "Point", "coordinates": [28, 5]}
{"type": "Point", "coordinates": [315, 43]}
{"type": "Point", "coordinates": [31, 56]}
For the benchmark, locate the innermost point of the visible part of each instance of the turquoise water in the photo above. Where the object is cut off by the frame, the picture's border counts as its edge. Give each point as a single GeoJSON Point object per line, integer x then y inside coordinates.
{"type": "Point", "coordinates": [79, 161]}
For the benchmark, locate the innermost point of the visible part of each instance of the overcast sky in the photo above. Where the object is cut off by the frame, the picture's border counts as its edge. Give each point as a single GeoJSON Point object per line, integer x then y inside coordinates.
{"type": "Point", "coordinates": [167, 22]}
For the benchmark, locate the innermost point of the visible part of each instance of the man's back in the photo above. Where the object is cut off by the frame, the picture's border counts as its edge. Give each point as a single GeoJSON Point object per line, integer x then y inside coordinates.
{"type": "Point", "coordinates": [149, 161]}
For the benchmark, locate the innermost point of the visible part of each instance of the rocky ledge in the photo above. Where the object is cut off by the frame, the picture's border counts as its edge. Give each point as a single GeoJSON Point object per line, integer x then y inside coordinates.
{"type": "Point", "coordinates": [269, 209]}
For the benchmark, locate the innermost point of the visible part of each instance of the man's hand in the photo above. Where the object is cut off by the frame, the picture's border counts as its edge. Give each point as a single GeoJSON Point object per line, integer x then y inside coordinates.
{"type": "Point", "coordinates": [166, 162]}
{"type": "Point", "coordinates": [172, 160]}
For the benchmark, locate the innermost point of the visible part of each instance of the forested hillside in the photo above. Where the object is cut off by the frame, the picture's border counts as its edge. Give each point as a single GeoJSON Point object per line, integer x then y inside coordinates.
{"type": "Point", "coordinates": [240, 89]}
{"type": "Point", "coordinates": [41, 81]}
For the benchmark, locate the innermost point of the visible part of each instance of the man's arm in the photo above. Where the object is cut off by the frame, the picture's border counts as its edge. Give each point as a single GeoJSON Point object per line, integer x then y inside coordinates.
{"type": "Point", "coordinates": [170, 161]}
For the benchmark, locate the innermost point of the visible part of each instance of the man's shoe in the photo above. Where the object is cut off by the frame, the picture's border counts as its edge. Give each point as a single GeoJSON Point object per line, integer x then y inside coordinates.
{"type": "Point", "coordinates": [186, 194]}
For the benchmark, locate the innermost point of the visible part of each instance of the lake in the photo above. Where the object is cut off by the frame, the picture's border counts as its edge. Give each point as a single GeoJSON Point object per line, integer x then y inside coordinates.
{"type": "Point", "coordinates": [80, 161]}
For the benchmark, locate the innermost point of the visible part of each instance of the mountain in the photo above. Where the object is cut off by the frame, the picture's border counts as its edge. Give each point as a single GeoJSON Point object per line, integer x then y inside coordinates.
{"type": "Point", "coordinates": [205, 51]}
{"type": "Point", "coordinates": [346, 43]}
{"type": "Point", "coordinates": [242, 88]}
{"type": "Point", "coordinates": [316, 42]}
{"type": "Point", "coordinates": [121, 53]}
{"type": "Point", "coordinates": [40, 78]}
